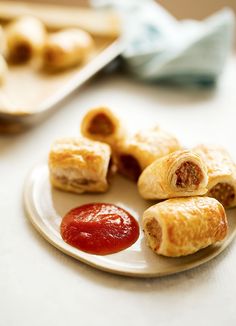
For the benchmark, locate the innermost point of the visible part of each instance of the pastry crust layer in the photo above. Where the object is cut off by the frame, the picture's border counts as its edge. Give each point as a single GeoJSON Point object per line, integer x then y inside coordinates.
{"type": "Point", "coordinates": [221, 174]}
{"type": "Point", "coordinates": [25, 38]}
{"type": "Point", "coordinates": [182, 226]}
{"type": "Point", "coordinates": [67, 48]}
{"type": "Point", "coordinates": [179, 174]}
{"type": "Point", "coordinates": [80, 165]}
{"type": "Point", "coordinates": [142, 149]}
{"type": "Point", "coordinates": [102, 124]}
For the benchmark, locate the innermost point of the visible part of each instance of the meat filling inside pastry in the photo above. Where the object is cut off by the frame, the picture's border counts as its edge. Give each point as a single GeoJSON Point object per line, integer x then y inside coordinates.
{"type": "Point", "coordinates": [221, 174]}
{"type": "Point", "coordinates": [80, 165]}
{"type": "Point", "coordinates": [102, 124]}
{"type": "Point", "coordinates": [223, 192]}
{"type": "Point", "coordinates": [129, 167]}
{"type": "Point", "coordinates": [133, 154]}
{"type": "Point", "coordinates": [182, 226]}
{"type": "Point", "coordinates": [179, 174]}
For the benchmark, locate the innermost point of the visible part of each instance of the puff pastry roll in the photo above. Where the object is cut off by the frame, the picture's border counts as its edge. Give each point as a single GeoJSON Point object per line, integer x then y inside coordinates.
{"type": "Point", "coordinates": [25, 38]}
{"type": "Point", "coordinates": [67, 48]}
{"type": "Point", "coordinates": [133, 154]}
{"type": "Point", "coordinates": [103, 125]}
{"type": "Point", "coordinates": [80, 165]}
{"type": "Point", "coordinates": [221, 174]}
{"type": "Point", "coordinates": [182, 226]}
{"type": "Point", "coordinates": [179, 174]}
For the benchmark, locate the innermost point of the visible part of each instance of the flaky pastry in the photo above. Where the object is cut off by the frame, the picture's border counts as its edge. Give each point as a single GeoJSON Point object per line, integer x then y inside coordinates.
{"type": "Point", "coordinates": [67, 48]}
{"type": "Point", "coordinates": [25, 38]}
{"type": "Point", "coordinates": [103, 125]}
{"type": "Point", "coordinates": [179, 174]}
{"type": "Point", "coordinates": [221, 174]}
{"type": "Point", "coordinates": [133, 154]}
{"type": "Point", "coordinates": [80, 165]}
{"type": "Point", "coordinates": [182, 226]}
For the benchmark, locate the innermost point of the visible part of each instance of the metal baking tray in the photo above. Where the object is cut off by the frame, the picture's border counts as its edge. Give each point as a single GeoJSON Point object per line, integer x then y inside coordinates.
{"type": "Point", "coordinates": [30, 94]}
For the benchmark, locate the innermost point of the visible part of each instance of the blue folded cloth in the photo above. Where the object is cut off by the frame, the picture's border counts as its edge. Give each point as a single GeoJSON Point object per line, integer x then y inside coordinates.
{"type": "Point", "coordinates": [158, 47]}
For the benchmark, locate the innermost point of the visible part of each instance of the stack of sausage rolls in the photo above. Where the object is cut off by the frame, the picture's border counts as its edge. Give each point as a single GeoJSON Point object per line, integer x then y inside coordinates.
{"type": "Point", "coordinates": [192, 187]}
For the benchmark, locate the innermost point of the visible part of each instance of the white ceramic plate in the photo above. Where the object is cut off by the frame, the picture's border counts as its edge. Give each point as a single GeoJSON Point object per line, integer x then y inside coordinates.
{"type": "Point", "coordinates": [46, 207]}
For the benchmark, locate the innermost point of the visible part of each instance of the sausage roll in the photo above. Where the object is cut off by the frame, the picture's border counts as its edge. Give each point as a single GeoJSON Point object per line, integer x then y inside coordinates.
{"type": "Point", "coordinates": [178, 174]}
{"type": "Point", "coordinates": [25, 38]}
{"type": "Point", "coordinates": [3, 69]}
{"type": "Point", "coordinates": [182, 226]}
{"type": "Point", "coordinates": [102, 124]}
{"type": "Point", "coordinates": [80, 165]}
{"type": "Point", "coordinates": [133, 154]}
{"type": "Point", "coordinates": [67, 48]}
{"type": "Point", "coordinates": [221, 174]}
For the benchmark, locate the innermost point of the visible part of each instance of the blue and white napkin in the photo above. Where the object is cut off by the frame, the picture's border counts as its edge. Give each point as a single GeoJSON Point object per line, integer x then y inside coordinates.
{"type": "Point", "coordinates": [158, 47]}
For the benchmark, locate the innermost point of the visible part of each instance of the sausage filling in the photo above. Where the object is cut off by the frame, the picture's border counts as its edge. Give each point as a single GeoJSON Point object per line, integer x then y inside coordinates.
{"type": "Point", "coordinates": [101, 125]}
{"type": "Point", "coordinates": [223, 192]}
{"type": "Point", "coordinates": [188, 175]}
{"type": "Point", "coordinates": [111, 170]}
{"type": "Point", "coordinates": [154, 231]}
{"type": "Point", "coordinates": [129, 167]}
{"type": "Point", "coordinates": [22, 52]}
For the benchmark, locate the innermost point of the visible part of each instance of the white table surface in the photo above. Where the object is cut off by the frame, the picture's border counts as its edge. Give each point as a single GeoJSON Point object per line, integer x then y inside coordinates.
{"type": "Point", "coordinates": [41, 286]}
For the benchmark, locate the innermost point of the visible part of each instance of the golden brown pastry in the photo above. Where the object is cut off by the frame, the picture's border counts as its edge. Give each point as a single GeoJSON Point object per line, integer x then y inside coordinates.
{"type": "Point", "coordinates": [221, 174]}
{"type": "Point", "coordinates": [179, 174]}
{"type": "Point", "coordinates": [3, 69]}
{"type": "Point", "coordinates": [80, 165]}
{"type": "Point", "coordinates": [133, 154]}
{"type": "Point", "coordinates": [25, 38]}
{"type": "Point", "coordinates": [67, 48]}
{"type": "Point", "coordinates": [182, 226]}
{"type": "Point", "coordinates": [2, 41]}
{"type": "Point", "coordinates": [103, 125]}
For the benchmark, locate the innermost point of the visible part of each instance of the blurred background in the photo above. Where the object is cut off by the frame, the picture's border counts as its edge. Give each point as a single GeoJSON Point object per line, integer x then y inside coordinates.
{"type": "Point", "coordinates": [179, 8]}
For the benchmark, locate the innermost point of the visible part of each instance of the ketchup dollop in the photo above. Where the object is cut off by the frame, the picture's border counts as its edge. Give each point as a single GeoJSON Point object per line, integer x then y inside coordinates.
{"type": "Point", "coordinates": [99, 228]}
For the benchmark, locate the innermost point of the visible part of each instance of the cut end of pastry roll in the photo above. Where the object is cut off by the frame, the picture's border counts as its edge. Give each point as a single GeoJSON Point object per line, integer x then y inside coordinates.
{"type": "Point", "coordinates": [102, 124]}
{"type": "Point", "coordinates": [221, 173]}
{"type": "Point", "coordinates": [80, 165]}
{"type": "Point", "coordinates": [182, 226]}
{"type": "Point", "coordinates": [25, 38]}
{"type": "Point", "coordinates": [224, 192]}
{"type": "Point", "coordinates": [129, 166]}
{"type": "Point", "coordinates": [67, 48]}
{"type": "Point", "coordinates": [179, 174]}
{"type": "Point", "coordinates": [135, 153]}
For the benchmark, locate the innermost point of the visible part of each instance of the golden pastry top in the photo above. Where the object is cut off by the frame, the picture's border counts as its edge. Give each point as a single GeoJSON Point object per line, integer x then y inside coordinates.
{"type": "Point", "coordinates": [217, 160]}
{"type": "Point", "coordinates": [78, 152]}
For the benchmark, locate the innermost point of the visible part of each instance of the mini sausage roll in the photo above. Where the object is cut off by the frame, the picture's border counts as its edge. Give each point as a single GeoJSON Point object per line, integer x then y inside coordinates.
{"type": "Point", "coordinates": [182, 226]}
{"type": "Point", "coordinates": [101, 124]}
{"type": "Point", "coordinates": [25, 38]}
{"type": "Point", "coordinates": [3, 69]}
{"type": "Point", "coordinates": [178, 174]}
{"type": "Point", "coordinates": [80, 165]}
{"type": "Point", "coordinates": [221, 174]}
{"type": "Point", "coordinates": [67, 48]}
{"type": "Point", "coordinates": [135, 153]}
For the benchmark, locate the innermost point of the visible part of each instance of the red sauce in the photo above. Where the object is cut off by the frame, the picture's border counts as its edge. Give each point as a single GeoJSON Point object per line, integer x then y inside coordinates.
{"type": "Point", "coordinates": [99, 228]}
